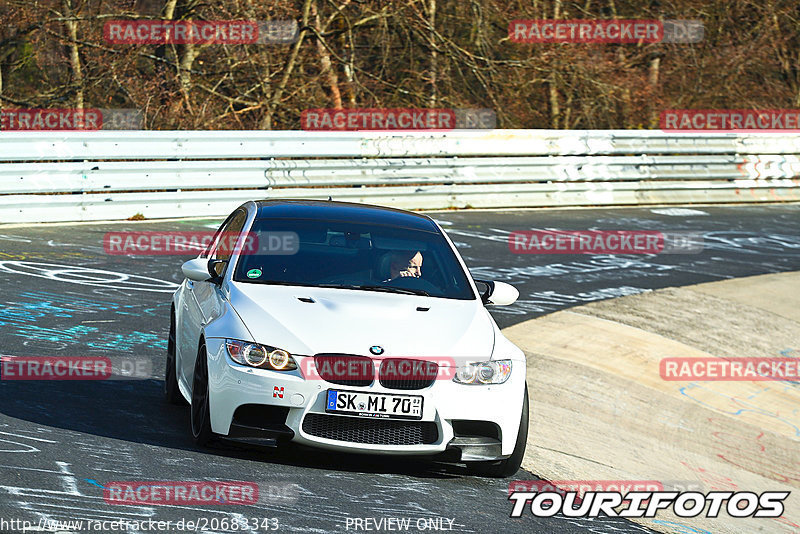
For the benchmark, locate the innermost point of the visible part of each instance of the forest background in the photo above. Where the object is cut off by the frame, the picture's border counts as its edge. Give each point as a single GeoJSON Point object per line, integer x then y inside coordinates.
{"type": "Point", "coordinates": [399, 54]}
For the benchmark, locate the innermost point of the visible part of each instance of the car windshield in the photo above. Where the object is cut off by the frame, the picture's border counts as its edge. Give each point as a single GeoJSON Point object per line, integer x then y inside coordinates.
{"type": "Point", "coordinates": [359, 256]}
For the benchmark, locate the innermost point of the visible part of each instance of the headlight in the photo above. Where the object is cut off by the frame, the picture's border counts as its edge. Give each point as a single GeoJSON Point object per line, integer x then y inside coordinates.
{"type": "Point", "coordinates": [492, 372]}
{"type": "Point", "coordinates": [279, 359]}
{"type": "Point", "coordinates": [261, 356]}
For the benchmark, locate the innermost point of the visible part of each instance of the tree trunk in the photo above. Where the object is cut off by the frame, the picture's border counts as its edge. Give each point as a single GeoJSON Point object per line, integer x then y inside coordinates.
{"type": "Point", "coordinates": [655, 63]}
{"type": "Point", "coordinates": [613, 7]}
{"type": "Point", "coordinates": [74, 56]}
{"type": "Point", "coordinates": [626, 107]}
{"type": "Point", "coordinates": [555, 108]}
{"type": "Point", "coordinates": [169, 9]}
{"type": "Point", "coordinates": [349, 68]}
{"type": "Point", "coordinates": [187, 54]}
{"type": "Point", "coordinates": [266, 121]}
{"type": "Point", "coordinates": [653, 77]}
{"type": "Point", "coordinates": [432, 102]}
{"type": "Point", "coordinates": [325, 60]}
{"type": "Point", "coordinates": [555, 111]}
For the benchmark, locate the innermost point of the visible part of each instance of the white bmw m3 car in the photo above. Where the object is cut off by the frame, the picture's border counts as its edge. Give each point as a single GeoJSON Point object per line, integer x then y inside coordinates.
{"type": "Point", "coordinates": [346, 327]}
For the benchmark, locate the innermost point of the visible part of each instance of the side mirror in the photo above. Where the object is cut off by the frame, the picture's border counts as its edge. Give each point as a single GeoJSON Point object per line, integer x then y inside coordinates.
{"type": "Point", "coordinates": [498, 293]}
{"type": "Point", "coordinates": [196, 269]}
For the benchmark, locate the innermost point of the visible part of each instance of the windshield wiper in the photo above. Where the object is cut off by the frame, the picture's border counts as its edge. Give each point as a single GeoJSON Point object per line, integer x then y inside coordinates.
{"type": "Point", "coordinates": [390, 289]}
{"type": "Point", "coordinates": [385, 289]}
{"type": "Point", "coordinates": [274, 282]}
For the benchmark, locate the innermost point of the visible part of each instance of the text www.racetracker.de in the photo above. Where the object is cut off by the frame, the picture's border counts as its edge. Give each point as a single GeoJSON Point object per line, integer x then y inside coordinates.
{"type": "Point", "coordinates": [144, 525]}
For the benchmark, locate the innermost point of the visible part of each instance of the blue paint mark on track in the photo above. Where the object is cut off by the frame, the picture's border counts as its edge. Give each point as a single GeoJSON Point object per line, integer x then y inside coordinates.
{"type": "Point", "coordinates": [22, 317]}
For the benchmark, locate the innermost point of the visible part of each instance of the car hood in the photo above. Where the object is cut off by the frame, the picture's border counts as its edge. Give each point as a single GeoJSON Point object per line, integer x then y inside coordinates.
{"type": "Point", "coordinates": [352, 321]}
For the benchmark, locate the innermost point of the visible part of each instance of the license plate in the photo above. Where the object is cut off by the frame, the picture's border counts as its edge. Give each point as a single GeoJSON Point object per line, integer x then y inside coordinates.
{"type": "Point", "coordinates": [377, 405]}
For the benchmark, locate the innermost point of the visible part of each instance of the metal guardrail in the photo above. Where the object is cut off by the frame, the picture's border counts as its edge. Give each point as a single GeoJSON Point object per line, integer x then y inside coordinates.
{"type": "Point", "coordinates": [60, 176]}
{"type": "Point", "coordinates": [128, 144]}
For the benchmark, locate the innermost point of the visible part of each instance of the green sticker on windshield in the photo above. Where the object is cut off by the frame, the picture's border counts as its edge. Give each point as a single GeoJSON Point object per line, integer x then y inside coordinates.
{"type": "Point", "coordinates": [253, 273]}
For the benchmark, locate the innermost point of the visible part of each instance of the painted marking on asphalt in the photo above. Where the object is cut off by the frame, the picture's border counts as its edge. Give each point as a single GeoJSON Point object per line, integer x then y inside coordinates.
{"type": "Point", "coordinates": [88, 276]}
{"type": "Point", "coordinates": [677, 212]}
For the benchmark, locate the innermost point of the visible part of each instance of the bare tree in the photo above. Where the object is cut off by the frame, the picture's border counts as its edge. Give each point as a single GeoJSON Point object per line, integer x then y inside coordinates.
{"type": "Point", "coordinates": [399, 53]}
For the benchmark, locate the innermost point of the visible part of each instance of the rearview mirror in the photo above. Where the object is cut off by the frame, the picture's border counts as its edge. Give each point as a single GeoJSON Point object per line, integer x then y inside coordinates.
{"type": "Point", "coordinates": [498, 293]}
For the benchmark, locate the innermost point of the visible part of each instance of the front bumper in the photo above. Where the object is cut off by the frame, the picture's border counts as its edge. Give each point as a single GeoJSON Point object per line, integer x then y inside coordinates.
{"type": "Point", "coordinates": [445, 403]}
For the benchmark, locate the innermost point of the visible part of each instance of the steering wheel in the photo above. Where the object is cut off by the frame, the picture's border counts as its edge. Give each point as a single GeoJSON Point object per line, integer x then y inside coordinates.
{"type": "Point", "coordinates": [411, 282]}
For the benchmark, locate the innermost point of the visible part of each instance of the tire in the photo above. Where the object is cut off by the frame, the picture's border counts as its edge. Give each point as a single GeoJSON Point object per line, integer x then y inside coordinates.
{"type": "Point", "coordinates": [509, 466]}
{"type": "Point", "coordinates": [201, 413]}
{"type": "Point", "coordinates": [172, 393]}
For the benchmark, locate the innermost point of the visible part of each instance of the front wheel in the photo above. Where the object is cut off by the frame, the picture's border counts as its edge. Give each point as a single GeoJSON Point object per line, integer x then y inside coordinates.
{"type": "Point", "coordinates": [509, 466]}
{"type": "Point", "coordinates": [172, 393]}
{"type": "Point", "coordinates": [201, 413]}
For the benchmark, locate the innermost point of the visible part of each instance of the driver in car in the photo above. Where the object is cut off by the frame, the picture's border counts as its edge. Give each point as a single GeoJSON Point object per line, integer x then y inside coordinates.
{"type": "Point", "coordinates": [405, 264]}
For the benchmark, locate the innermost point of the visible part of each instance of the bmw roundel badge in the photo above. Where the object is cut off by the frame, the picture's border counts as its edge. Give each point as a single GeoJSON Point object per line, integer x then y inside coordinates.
{"type": "Point", "coordinates": [376, 350]}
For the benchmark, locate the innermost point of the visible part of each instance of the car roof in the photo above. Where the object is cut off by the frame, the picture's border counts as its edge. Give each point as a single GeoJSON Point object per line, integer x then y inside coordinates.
{"type": "Point", "coordinates": [326, 210]}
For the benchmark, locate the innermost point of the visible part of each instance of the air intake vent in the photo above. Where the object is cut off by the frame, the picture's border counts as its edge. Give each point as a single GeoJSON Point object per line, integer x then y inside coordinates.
{"type": "Point", "coordinates": [371, 431]}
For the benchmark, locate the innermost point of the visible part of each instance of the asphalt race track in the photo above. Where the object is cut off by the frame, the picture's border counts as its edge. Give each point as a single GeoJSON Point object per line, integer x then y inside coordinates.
{"type": "Point", "coordinates": [61, 441]}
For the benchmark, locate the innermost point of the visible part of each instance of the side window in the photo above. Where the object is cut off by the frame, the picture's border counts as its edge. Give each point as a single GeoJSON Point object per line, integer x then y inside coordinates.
{"type": "Point", "coordinates": [207, 252]}
{"type": "Point", "coordinates": [225, 241]}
